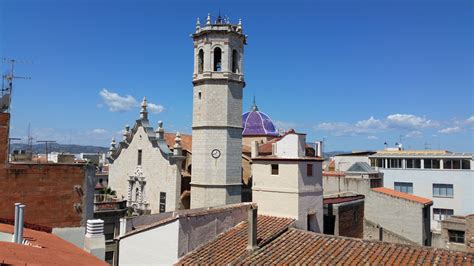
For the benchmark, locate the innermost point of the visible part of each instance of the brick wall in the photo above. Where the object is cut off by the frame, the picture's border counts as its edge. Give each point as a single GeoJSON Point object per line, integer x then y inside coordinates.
{"type": "Point", "coordinates": [4, 130]}
{"type": "Point", "coordinates": [47, 190]}
{"type": "Point", "coordinates": [351, 220]}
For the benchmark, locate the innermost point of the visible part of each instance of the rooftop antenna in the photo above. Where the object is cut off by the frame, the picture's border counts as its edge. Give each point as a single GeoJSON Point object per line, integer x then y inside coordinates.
{"type": "Point", "coordinates": [46, 142]}
{"type": "Point", "coordinates": [8, 88]}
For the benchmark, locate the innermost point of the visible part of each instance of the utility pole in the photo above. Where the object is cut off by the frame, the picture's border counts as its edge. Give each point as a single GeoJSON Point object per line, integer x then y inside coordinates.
{"type": "Point", "coordinates": [46, 142]}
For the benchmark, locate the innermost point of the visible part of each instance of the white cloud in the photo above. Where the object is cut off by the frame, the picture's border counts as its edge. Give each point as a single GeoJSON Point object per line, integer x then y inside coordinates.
{"type": "Point", "coordinates": [372, 137]}
{"type": "Point", "coordinates": [116, 102]}
{"type": "Point", "coordinates": [450, 130]}
{"type": "Point", "coordinates": [99, 131]}
{"type": "Point", "coordinates": [414, 134]}
{"type": "Point", "coordinates": [408, 121]}
{"type": "Point", "coordinates": [405, 122]}
{"type": "Point", "coordinates": [284, 125]}
{"type": "Point", "coordinates": [155, 108]}
{"type": "Point", "coordinates": [470, 120]}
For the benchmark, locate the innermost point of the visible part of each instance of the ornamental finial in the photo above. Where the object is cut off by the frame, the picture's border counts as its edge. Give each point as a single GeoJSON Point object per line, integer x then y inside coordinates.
{"type": "Point", "coordinates": [198, 25]}
{"type": "Point", "coordinates": [143, 111]}
{"type": "Point", "coordinates": [208, 20]}
{"type": "Point", "coordinates": [177, 149]}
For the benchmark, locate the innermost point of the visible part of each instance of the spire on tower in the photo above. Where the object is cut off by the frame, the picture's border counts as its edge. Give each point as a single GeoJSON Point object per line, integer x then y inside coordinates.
{"type": "Point", "coordinates": [198, 25]}
{"type": "Point", "coordinates": [208, 20]}
{"type": "Point", "coordinates": [254, 105]}
{"type": "Point", "coordinates": [239, 26]}
{"type": "Point", "coordinates": [143, 111]}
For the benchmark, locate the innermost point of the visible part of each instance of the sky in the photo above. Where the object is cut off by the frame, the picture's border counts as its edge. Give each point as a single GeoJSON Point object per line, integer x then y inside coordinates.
{"type": "Point", "coordinates": [355, 74]}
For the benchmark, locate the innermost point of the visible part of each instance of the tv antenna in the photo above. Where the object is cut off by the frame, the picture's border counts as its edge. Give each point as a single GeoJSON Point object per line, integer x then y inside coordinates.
{"type": "Point", "coordinates": [29, 142]}
{"type": "Point", "coordinates": [8, 78]}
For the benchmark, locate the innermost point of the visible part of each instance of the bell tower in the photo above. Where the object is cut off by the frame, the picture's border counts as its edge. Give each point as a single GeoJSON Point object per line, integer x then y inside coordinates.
{"type": "Point", "coordinates": [218, 82]}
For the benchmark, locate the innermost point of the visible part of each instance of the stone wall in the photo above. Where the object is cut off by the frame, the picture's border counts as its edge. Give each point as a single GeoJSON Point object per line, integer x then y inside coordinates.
{"type": "Point", "coordinates": [400, 216]}
{"type": "Point", "coordinates": [372, 232]}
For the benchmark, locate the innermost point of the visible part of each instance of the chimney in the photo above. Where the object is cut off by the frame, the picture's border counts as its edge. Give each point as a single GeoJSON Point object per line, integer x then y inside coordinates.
{"type": "Point", "coordinates": [15, 230]}
{"type": "Point", "coordinates": [274, 148]}
{"type": "Point", "coordinates": [254, 149]}
{"type": "Point", "coordinates": [252, 228]}
{"type": "Point", "coordinates": [319, 149]}
{"type": "Point", "coordinates": [21, 221]}
{"type": "Point", "coordinates": [94, 241]}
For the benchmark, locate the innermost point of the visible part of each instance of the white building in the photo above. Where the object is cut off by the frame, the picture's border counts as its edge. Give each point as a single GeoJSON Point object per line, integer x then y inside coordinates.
{"type": "Point", "coordinates": [445, 177]}
{"type": "Point", "coordinates": [143, 170]}
{"type": "Point", "coordinates": [288, 183]}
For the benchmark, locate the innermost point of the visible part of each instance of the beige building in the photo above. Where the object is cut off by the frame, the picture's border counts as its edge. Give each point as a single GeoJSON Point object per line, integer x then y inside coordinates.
{"type": "Point", "coordinates": [457, 233]}
{"type": "Point", "coordinates": [144, 171]}
{"type": "Point", "coordinates": [288, 183]}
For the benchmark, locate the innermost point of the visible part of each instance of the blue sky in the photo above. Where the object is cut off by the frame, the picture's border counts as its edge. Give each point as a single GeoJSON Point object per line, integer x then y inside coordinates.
{"type": "Point", "coordinates": [356, 73]}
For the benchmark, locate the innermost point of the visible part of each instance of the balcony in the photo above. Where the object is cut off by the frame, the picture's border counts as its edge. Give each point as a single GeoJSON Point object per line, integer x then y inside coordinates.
{"type": "Point", "coordinates": [108, 203]}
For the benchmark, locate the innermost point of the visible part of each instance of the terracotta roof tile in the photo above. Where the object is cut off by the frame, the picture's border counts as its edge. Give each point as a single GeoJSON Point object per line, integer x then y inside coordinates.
{"type": "Point", "coordinates": [46, 249]}
{"type": "Point", "coordinates": [334, 173]}
{"type": "Point", "coordinates": [231, 246]}
{"type": "Point", "coordinates": [186, 141]}
{"type": "Point", "coordinates": [402, 195]}
{"type": "Point", "coordinates": [306, 248]}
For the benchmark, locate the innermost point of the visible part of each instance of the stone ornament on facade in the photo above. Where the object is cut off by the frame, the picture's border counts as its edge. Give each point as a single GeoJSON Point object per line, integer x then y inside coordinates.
{"type": "Point", "coordinates": [136, 192]}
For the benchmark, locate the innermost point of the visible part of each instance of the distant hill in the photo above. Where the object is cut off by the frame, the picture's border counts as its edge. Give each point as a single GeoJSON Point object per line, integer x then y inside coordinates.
{"type": "Point", "coordinates": [55, 147]}
{"type": "Point", "coordinates": [334, 153]}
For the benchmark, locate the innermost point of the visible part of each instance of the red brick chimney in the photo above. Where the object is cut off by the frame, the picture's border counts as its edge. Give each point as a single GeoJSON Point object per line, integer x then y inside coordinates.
{"type": "Point", "coordinates": [4, 135]}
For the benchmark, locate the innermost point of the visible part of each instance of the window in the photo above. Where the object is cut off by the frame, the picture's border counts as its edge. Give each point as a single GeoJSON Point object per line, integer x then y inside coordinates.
{"type": "Point", "coordinates": [443, 190]}
{"type": "Point", "coordinates": [442, 214]}
{"type": "Point", "coordinates": [395, 163]}
{"type": "Point", "coordinates": [235, 61]}
{"type": "Point", "coordinates": [200, 61]}
{"type": "Point", "coordinates": [466, 164]}
{"type": "Point", "coordinates": [376, 182]}
{"type": "Point", "coordinates": [162, 202]}
{"type": "Point", "coordinates": [309, 169]}
{"type": "Point", "coordinates": [275, 169]}
{"type": "Point", "coordinates": [404, 187]}
{"type": "Point", "coordinates": [413, 163]}
{"type": "Point", "coordinates": [139, 157]}
{"type": "Point", "coordinates": [452, 164]}
{"type": "Point", "coordinates": [432, 163]}
{"type": "Point", "coordinates": [217, 59]}
{"type": "Point", "coordinates": [200, 95]}
{"type": "Point", "coordinates": [456, 236]}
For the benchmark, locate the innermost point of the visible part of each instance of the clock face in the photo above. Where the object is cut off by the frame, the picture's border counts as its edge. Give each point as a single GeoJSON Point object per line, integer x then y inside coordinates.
{"type": "Point", "coordinates": [216, 153]}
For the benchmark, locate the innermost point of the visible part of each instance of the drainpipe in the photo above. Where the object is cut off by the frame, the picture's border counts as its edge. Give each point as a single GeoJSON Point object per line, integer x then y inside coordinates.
{"type": "Point", "coordinates": [21, 221]}
{"type": "Point", "coordinates": [15, 230]}
{"type": "Point", "coordinates": [252, 229]}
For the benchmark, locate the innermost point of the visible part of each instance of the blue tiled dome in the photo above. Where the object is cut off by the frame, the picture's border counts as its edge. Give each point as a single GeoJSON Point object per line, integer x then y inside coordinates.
{"type": "Point", "coordinates": [256, 123]}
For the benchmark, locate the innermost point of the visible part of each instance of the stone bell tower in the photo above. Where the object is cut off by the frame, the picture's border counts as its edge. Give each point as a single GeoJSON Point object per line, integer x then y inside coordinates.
{"type": "Point", "coordinates": [217, 113]}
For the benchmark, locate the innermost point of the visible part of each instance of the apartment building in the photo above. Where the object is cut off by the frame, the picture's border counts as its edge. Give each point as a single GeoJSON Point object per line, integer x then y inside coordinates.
{"type": "Point", "coordinates": [445, 177]}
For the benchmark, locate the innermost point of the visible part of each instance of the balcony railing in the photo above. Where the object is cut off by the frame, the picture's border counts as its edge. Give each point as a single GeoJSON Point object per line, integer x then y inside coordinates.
{"type": "Point", "coordinates": [108, 203]}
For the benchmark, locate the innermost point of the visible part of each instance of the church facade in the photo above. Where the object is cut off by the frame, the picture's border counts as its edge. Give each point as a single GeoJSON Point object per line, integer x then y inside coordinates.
{"type": "Point", "coordinates": [143, 169]}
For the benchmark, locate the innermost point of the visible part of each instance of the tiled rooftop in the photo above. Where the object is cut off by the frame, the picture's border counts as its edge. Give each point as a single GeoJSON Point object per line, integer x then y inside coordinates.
{"type": "Point", "coordinates": [402, 195]}
{"type": "Point", "coordinates": [231, 246]}
{"type": "Point", "coordinates": [306, 248]}
{"type": "Point", "coordinates": [45, 249]}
